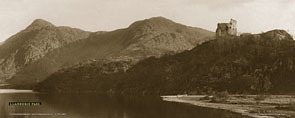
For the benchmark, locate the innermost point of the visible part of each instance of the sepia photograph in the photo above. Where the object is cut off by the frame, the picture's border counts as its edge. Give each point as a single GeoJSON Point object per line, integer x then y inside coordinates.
{"type": "Point", "coordinates": [147, 59]}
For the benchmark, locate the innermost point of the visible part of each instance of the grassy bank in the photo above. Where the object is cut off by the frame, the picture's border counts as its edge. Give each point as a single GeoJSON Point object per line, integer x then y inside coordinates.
{"type": "Point", "coordinates": [273, 106]}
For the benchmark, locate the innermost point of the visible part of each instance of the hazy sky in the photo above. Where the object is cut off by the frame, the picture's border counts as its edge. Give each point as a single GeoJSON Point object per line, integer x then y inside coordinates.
{"type": "Point", "coordinates": [253, 16]}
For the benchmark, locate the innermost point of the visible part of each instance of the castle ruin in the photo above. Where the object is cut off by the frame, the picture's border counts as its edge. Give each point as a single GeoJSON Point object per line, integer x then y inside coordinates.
{"type": "Point", "coordinates": [226, 29]}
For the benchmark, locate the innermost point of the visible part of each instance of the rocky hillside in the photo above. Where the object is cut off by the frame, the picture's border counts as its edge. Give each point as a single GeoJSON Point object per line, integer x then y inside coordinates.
{"type": "Point", "coordinates": [151, 37]}
{"type": "Point", "coordinates": [261, 63]}
{"type": "Point", "coordinates": [33, 43]}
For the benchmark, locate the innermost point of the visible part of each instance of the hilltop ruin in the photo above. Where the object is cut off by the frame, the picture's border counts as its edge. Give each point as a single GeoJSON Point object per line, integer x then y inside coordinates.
{"type": "Point", "coordinates": [226, 29]}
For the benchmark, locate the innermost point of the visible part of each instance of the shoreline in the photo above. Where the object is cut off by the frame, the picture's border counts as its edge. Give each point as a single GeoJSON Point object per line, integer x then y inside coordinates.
{"type": "Point", "coordinates": [240, 108]}
{"type": "Point", "coordinates": [15, 91]}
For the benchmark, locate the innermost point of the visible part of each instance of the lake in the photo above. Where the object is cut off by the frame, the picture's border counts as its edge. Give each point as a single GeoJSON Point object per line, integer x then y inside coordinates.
{"type": "Point", "coordinates": [100, 106]}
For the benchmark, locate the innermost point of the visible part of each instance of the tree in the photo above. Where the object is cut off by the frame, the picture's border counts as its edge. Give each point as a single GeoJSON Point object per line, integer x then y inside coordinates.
{"type": "Point", "coordinates": [261, 82]}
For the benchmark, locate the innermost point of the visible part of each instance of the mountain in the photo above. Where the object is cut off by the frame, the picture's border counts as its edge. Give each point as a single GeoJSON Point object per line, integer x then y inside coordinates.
{"type": "Point", "coordinates": [259, 63]}
{"type": "Point", "coordinates": [33, 43]}
{"type": "Point", "coordinates": [150, 37]}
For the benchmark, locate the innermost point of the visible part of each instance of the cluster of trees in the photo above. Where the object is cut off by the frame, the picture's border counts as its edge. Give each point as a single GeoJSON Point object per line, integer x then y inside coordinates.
{"type": "Point", "coordinates": [250, 64]}
{"type": "Point", "coordinates": [93, 76]}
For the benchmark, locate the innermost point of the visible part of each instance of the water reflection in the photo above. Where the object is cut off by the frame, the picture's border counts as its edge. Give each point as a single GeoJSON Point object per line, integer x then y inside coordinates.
{"type": "Point", "coordinates": [103, 106]}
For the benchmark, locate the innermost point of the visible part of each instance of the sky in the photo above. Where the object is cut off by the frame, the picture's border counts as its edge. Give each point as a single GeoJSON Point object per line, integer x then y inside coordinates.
{"type": "Point", "coordinates": [253, 16]}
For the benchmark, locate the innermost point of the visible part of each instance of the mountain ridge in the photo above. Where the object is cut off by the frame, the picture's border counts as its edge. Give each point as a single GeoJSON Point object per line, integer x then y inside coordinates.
{"type": "Point", "coordinates": [150, 37]}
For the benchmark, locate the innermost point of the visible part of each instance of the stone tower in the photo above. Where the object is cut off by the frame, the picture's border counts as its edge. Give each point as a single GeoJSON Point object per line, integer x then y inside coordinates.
{"type": "Point", "coordinates": [226, 29]}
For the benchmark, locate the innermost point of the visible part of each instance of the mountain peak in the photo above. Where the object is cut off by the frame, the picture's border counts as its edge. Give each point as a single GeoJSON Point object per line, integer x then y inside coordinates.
{"type": "Point", "coordinates": [154, 21]}
{"type": "Point", "coordinates": [158, 18]}
{"type": "Point", "coordinates": [39, 23]}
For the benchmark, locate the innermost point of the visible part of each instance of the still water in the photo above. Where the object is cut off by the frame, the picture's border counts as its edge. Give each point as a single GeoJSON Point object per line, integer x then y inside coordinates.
{"type": "Point", "coordinates": [100, 106]}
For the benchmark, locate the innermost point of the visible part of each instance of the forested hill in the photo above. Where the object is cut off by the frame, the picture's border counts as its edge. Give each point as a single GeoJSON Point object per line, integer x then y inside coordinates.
{"type": "Point", "coordinates": [261, 63]}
